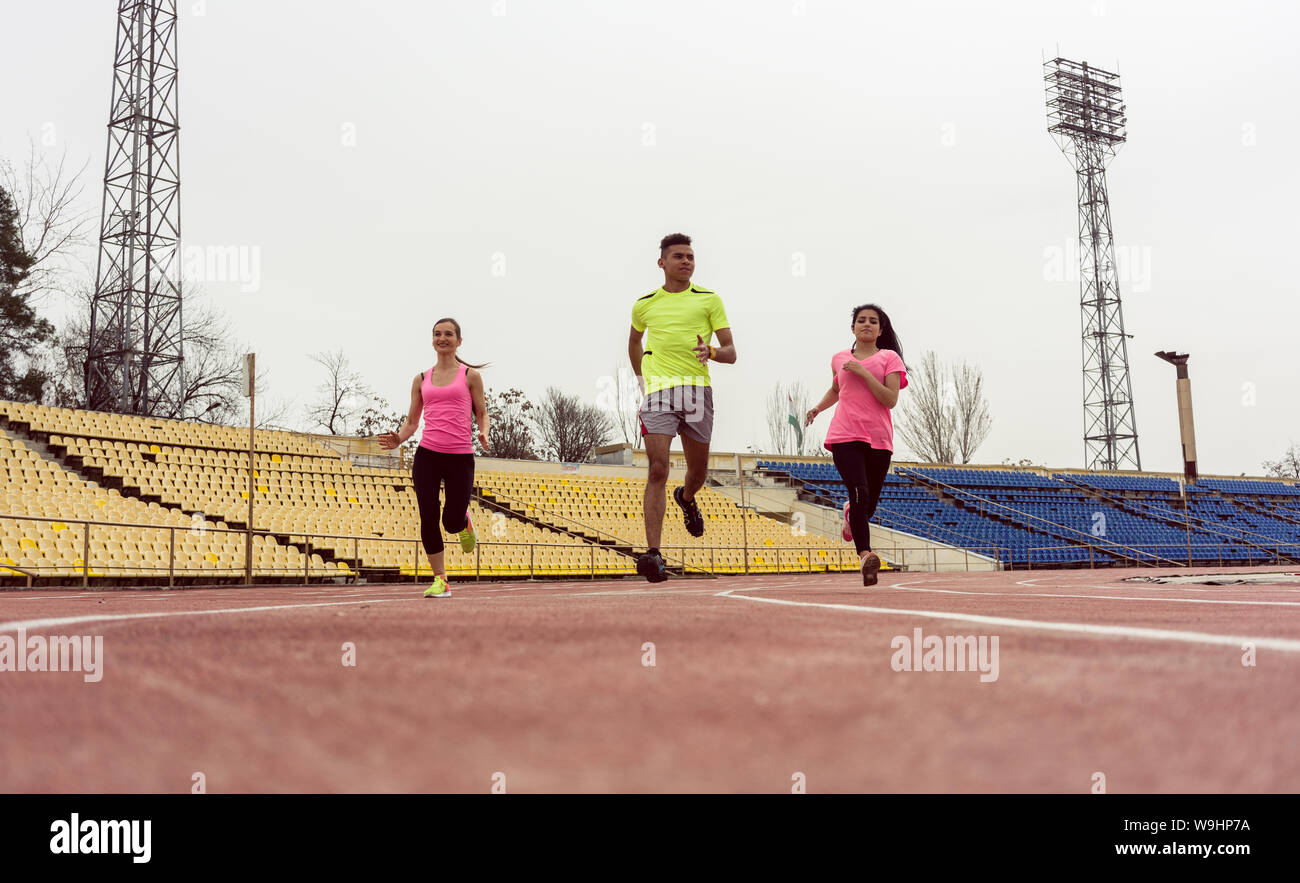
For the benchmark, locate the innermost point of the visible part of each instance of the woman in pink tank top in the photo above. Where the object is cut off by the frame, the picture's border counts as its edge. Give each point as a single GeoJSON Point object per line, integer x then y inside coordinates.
{"type": "Point", "coordinates": [449, 396]}
{"type": "Point", "coordinates": [865, 381]}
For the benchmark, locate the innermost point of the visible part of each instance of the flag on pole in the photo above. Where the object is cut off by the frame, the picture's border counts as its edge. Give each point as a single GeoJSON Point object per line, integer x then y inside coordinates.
{"type": "Point", "coordinates": [795, 422]}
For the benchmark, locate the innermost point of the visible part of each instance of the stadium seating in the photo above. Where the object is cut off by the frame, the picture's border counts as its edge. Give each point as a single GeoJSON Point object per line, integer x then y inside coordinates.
{"type": "Point", "coordinates": [173, 497]}
{"type": "Point", "coordinates": [610, 510]}
{"type": "Point", "coordinates": [1025, 518]}
{"type": "Point", "coordinates": [168, 501]}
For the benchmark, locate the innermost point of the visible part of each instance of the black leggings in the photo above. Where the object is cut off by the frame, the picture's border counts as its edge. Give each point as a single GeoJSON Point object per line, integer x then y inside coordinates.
{"type": "Point", "coordinates": [863, 469]}
{"type": "Point", "coordinates": [433, 468]}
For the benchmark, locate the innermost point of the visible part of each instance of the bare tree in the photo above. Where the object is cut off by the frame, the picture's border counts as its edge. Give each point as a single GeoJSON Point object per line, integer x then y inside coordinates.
{"type": "Point", "coordinates": [813, 445]}
{"type": "Point", "coordinates": [511, 431]}
{"type": "Point", "coordinates": [213, 365]}
{"type": "Point", "coordinates": [342, 397]}
{"type": "Point", "coordinates": [213, 368]}
{"type": "Point", "coordinates": [1287, 467]}
{"type": "Point", "coordinates": [779, 432]}
{"type": "Point", "coordinates": [379, 418]}
{"type": "Point", "coordinates": [568, 430]}
{"type": "Point", "coordinates": [945, 414]}
{"type": "Point", "coordinates": [929, 424]}
{"type": "Point", "coordinates": [624, 403]}
{"type": "Point", "coordinates": [783, 434]}
{"type": "Point", "coordinates": [45, 196]}
{"type": "Point", "coordinates": [273, 412]}
{"type": "Point", "coordinates": [971, 408]}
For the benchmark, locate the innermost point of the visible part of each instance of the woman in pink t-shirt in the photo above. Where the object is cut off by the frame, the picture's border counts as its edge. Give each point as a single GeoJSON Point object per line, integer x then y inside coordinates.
{"type": "Point", "coordinates": [865, 382]}
{"type": "Point", "coordinates": [449, 396]}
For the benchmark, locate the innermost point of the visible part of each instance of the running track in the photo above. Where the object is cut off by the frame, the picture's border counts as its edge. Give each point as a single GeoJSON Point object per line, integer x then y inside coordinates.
{"type": "Point", "coordinates": [755, 679]}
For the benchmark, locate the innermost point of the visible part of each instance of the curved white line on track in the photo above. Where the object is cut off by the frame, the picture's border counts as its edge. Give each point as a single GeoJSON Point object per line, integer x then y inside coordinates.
{"type": "Point", "coordinates": [1035, 582]}
{"type": "Point", "coordinates": [1114, 631]}
{"type": "Point", "coordinates": [678, 592]}
{"type": "Point", "coordinates": [53, 622]}
{"type": "Point", "coordinates": [1151, 587]}
{"type": "Point", "coordinates": [906, 588]}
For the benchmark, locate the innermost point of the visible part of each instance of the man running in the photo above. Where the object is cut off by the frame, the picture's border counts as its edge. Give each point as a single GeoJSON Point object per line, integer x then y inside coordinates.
{"type": "Point", "coordinates": [673, 372]}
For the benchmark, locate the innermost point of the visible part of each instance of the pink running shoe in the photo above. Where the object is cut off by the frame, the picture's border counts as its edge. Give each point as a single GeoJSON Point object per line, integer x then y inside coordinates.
{"type": "Point", "coordinates": [846, 531]}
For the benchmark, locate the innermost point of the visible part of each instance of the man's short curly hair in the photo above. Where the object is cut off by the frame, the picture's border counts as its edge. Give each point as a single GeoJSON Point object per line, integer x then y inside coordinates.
{"type": "Point", "coordinates": [673, 239]}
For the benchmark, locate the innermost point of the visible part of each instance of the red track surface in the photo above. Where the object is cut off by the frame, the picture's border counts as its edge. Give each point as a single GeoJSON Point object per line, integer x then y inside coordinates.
{"type": "Point", "coordinates": [545, 683]}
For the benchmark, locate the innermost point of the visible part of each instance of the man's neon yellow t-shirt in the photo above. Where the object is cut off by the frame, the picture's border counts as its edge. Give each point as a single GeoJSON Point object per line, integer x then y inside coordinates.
{"type": "Point", "coordinates": [674, 318]}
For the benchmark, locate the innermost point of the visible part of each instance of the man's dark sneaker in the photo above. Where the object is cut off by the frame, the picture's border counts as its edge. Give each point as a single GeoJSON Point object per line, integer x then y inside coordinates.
{"type": "Point", "coordinates": [651, 566]}
{"type": "Point", "coordinates": [690, 513]}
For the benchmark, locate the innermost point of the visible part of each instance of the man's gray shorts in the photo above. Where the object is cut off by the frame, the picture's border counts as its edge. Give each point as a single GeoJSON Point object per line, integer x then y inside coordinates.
{"type": "Point", "coordinates": [679, 409]}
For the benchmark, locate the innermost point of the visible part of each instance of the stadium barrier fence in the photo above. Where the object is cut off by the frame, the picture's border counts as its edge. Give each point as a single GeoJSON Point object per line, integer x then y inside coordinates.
{"type": "Point", "coordinates": [112, 567]}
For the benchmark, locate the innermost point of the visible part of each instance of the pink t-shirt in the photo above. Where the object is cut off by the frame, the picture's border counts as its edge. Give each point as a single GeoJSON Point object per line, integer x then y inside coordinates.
{"type": "Point", "coordinates": [859, 416]}
{"type": "Point", "coordinates": [448, 414]}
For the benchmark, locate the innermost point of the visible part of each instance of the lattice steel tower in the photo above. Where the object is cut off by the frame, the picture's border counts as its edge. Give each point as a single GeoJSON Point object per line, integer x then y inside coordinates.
{"type": "Point", "coordinates": [134, 355]}
{"type": "Point", "coordinates": [1085, 115]}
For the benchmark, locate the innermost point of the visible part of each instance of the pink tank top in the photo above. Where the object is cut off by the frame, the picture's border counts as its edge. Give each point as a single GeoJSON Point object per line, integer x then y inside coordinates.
{"type": "Point", "coordinates": [448, 414]}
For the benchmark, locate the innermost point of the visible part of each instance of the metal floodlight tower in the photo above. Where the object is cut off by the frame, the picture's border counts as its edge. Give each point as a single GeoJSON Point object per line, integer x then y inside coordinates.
{"type": "Point", "coordinates": [134, 352]}
{"type": "Point", "coordinates": [1085, 114]}
{"type": "Point", "coordinates": [1186, 428]}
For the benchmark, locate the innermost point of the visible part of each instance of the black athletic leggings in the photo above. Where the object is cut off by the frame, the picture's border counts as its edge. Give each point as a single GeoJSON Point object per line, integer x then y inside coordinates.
{"type": "Point", "coordinates": [434, 468]}
{"type": "Point", "coordinates": [863, 469]}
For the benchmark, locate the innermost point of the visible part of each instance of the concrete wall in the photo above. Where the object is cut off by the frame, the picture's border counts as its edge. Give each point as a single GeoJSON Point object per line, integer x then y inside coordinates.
{"type": "Point", "coordinates": [897, 547]}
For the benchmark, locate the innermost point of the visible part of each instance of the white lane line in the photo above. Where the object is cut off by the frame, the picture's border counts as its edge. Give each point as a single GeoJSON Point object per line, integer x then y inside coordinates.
{"type": "Point", "coordinates": [1165, 587]}
{"type": "Point", "coordinates": [1115, 631]}
{"type": "Point", "coordinates": [625, 592]}
{"type": "Point", "coordinates": [1033, 582]}
{"type": "Point", "coordinates": [358, 595]}
{"type": "Point", "coordinates": [680, 589]}
{"type": "Point", "coordinates": [115, 617]}
{"type": "Point", "coordinates": [907, 588]}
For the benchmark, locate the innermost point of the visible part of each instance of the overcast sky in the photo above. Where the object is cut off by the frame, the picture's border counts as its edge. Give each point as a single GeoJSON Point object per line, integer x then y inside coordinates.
{"type": "Point", "coordinates": [514, 163]}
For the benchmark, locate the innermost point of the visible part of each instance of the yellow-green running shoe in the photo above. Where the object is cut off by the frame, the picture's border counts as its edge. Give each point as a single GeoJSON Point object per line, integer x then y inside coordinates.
{"type": "Point", "coordinates": [467, 538]}
{"type": "Point", "coordinates": [439, 589]}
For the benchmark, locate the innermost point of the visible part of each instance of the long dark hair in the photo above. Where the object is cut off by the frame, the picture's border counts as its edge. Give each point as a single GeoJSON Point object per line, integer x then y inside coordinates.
{"type": "Point", "coordinates": [887, 340]}
{"type": "Point", "coordinates": [456, 325]}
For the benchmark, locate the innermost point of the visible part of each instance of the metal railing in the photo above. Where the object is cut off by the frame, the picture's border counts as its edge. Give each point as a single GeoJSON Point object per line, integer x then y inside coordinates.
{"type": "Point", "coordinates": [560, 522]}
{"type": "Point", "coordinates": [921, 528]}
{"type": "Point", "coordinates": [1153, 508]}
{"type": "Point", "coordinates": [1153, 554]}
{"type": "Point", "coordinates": [530, 560]}
{"type": "Point", "coordinates": [1119, 550]}
{"type": "Point", "coordinates": [489, 562]}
